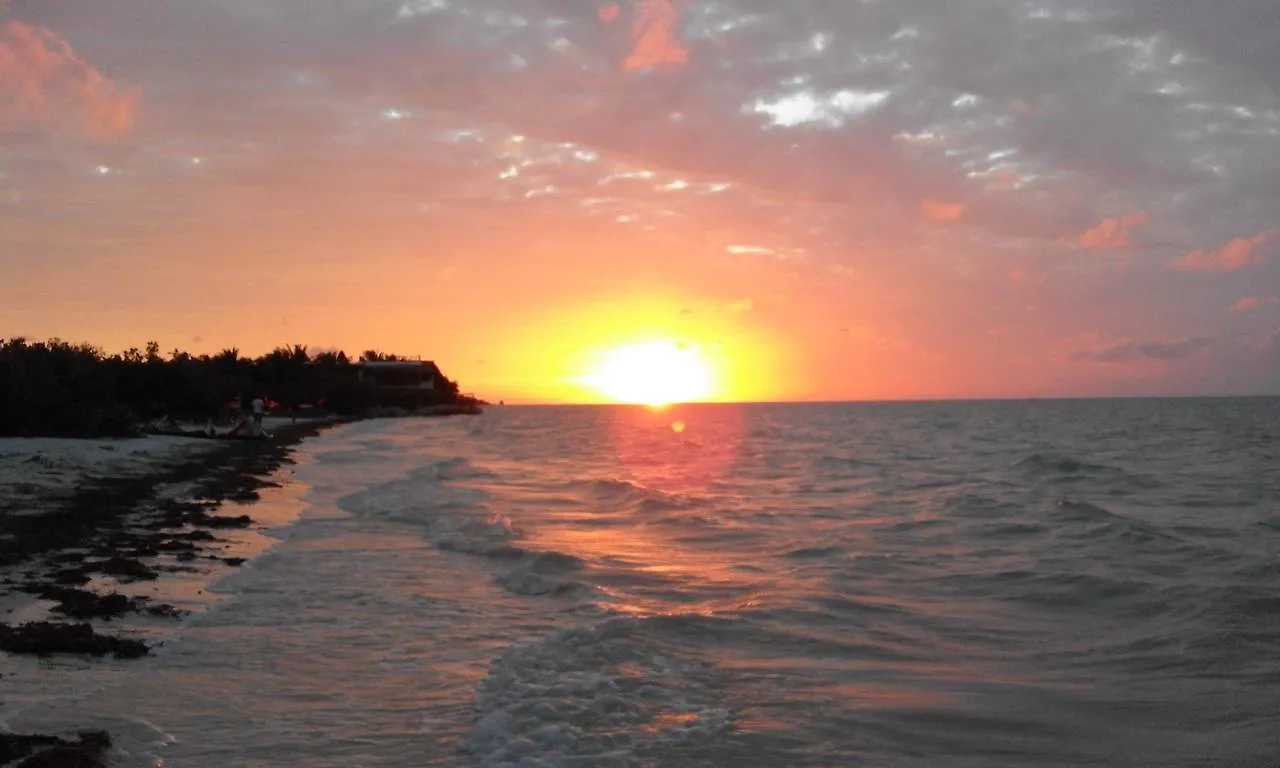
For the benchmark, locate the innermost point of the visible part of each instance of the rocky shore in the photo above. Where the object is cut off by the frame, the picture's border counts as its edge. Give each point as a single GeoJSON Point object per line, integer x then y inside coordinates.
{"type": "Point", "coordinates": [74, 550]}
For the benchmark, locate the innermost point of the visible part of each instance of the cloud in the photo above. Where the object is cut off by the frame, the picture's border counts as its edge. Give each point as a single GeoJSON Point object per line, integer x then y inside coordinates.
{"type": "Point", "coordinates": [609, 12]}
{"type": "Point", "coordinates": [939, 211]}
{"type": "Point", "coordinates": [654, 34]}
{"type": "Point", "coordinates": [1272, 344]}
{"type": "Point", "coordinates": [1251, 303]}
{"type": "Point", "coordinates": [1235, 254]}
{"type": "Point", "coordinates": [44, 85]}
{"type": "Point", "coordinates": [843, 131]}
{"type": "Point", "coordinates": [1114, 234]}
{"type": "Point", "coordinates": [1021, 276]}
{"type": "Point", "coordinates": [1130, 351]}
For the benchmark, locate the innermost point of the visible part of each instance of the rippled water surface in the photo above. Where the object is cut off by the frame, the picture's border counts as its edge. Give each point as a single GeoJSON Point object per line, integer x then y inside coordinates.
{"type": "Point", "coordinates": [983, 584]}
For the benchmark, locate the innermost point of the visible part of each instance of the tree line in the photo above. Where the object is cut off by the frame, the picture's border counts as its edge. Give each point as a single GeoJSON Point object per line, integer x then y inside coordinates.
{"type": "Point", "coordinates": [57, 388]}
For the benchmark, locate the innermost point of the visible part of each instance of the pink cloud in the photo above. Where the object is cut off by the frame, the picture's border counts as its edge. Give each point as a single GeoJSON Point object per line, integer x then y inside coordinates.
{"type": "Point", "coordinates": [940, 211]}
{"type": "Point", "coordinates": [1251, 303]}
{"type": "Point", "coordinates": [1021, 276]}
{"type": "Point", "coordinates": [609, 12]}
{"type": "Point", "coordinates": [655, 35]}
{"type": "Point", "coordinates": [1114, 234]}
{"type": "Point", "coordinates": [44, 84]}
{"type": "Point", "coordinates": [1141, 351]}
{"type": "Point", "coordinates": [1272, 344]}
{"type": "Point", "coordinates": [1236, 254]}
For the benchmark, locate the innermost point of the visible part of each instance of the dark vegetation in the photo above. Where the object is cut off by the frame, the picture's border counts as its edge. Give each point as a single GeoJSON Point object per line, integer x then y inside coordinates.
{"type": "Point", "coordinates": [55, 388]}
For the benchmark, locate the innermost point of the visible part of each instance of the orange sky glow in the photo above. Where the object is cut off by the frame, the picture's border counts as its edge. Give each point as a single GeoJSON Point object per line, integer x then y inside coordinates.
{"type": "Point", "coordinates": [819, 205]}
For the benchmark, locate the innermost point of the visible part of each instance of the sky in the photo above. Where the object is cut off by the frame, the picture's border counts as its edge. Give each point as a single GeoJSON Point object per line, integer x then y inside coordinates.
{"type": "Point", "coordinates": [824, 199]}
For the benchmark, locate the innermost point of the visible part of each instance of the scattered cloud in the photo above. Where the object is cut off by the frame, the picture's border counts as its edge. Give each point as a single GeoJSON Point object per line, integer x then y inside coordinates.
{"type": "Point", "coordinates": [609, 12]}
{"type": "Point", "coordinates": [1130, 351]}
{"type": "Point", "coordinates": [939, 211]}
{"type": "Point", "coordinates": [754, 250]}
{"type": "Point", "coordinates": [44, 86]}
{"type": "Point", "coordinates": [654, 34]}
{"type": "Point", "coordinates": [1020, 276]}
{"type": "Point", "coordinates": [1272, 344]}
{"type": "Point", "coordinates": [1114, 234]}
{"type": "Point", "coordinates": [1251, 303]}
{"type": "Point", "coordinates": [913, 149]}
{"type": "Point", "coordinates": [1236, 254]}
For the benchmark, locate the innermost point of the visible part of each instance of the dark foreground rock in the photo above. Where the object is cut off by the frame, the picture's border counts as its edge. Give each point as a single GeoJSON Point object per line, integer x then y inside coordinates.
{"type": "Point", "coordinates": [46, 638]}
{"type": "Point", "coordinates": [83, 604]}
{"type": "Point", "coordinates": [14, 746]}
{"type": "Point", "coordinates": [88, 750]}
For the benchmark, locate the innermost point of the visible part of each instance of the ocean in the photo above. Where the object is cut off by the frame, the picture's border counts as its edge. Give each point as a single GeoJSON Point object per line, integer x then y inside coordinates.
{"type": "Point", "coordinates": [1043, 583]}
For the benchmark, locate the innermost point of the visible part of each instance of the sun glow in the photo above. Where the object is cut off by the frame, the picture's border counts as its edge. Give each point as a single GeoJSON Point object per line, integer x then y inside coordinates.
{"type": "Point", "coordinates": [653, 373]}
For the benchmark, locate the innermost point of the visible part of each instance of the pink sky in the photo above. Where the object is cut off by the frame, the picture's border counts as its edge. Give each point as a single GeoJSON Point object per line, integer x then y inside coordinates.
{"type": "Point", "coordinates": [833, 200]}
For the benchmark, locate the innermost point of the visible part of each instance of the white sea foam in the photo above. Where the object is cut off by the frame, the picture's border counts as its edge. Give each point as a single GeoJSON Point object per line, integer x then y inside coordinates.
{"type": "Point", "coordinates": [591, 695]}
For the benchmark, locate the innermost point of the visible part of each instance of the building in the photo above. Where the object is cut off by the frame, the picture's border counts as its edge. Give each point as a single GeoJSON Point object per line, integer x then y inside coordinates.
{"type": "Point", "coordinates": [401, 374]}
{"type": "Point", "coordinates": [409, 384]}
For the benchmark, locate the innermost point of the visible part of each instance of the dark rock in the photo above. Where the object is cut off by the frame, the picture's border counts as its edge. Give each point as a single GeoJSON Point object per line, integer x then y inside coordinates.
{"type": "Point", "coordinates": [167, 611]}
{"type": "Point", "coordinates": [126, 569]}
{"type": "Point", "coordinates": [235, 562]}
{"type": "Point", "coordinates": [195, 536]}
{"type": "Point", "coordinates": [173, 545]}
{"type": "Point", "coordinates": [14, 746]}
{"type": "Point", "coordinates": [245, 496]}
{"type": "Point", "coordinates": [89, 750]}
{"type": "Point", "coordinates": [45, 638]}
{"type": "Point", "coordinates": [215, 521]}
{"type": "Point", "coordinates": [82, 604]}
{"type": "Point", "coordinates": [71, 576]}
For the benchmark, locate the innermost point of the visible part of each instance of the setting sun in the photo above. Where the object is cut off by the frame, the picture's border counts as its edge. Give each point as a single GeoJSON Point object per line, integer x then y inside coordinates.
{"type": "Point", "coordinates": [653, 373]}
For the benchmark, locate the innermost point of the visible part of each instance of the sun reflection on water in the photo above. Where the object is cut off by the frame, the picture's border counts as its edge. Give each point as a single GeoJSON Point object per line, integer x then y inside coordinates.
{"type": "Point", "coordinates": [678, 448]}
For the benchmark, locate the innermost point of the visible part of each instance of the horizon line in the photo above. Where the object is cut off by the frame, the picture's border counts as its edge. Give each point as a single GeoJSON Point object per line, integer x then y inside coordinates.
{"type": "Point", "coordinates": [907, 400]}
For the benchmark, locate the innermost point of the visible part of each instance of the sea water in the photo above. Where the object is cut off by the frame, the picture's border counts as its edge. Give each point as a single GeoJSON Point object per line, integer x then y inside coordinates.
{"type": "Point", "coordinates": [966, 584]}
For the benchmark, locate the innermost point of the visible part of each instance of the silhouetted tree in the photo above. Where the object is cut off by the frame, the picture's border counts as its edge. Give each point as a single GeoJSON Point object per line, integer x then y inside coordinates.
{"type": "Point", "coordinates": [57, 388]}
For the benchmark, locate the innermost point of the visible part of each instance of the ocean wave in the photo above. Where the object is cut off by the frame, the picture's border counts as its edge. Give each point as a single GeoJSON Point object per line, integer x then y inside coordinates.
{"type": "Point", "coordinates": [1253, 607]}
{"type": "Point", "coordinates": [600, 694]}
{"type": "Point", "coordinates": [1052, 463]}
{"type": "Point", "coordinates": [1068, 469]}
{"type": "Point", "coordinates": [609, 487]}
{"type": "Point", "coordinates": [841, 465]}
{"type": "Point", "coordinates": [977, 505]}
{"type": "Point", "coordinates": [1010, 530]}
{"type": "Point", "coordinates": [1086, 521]}
{"type": "Point", "coordinates": [810, 553]}
{"type": "Point", "coordinates": [1077, 590]}
{"type": "Point", "coordinates": [490, 536]}
{"type": "Point", "coordinates": [453, 468]}
{"type": "Point", "coordinates": [543, 573]}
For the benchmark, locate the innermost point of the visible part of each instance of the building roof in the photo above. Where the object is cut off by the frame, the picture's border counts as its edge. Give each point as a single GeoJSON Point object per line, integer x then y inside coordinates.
{"type": "Point", "coordinates": [395, 364]}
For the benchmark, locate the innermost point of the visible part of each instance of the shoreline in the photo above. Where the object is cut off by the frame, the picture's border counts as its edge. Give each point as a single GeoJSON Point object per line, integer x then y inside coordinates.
{"type": "Point", "coordinates": [68, 567]}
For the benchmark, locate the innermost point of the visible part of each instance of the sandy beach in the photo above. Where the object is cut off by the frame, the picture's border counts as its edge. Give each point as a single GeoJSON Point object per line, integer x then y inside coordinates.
{"type": "Point", "coordinates": [106, 544]}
